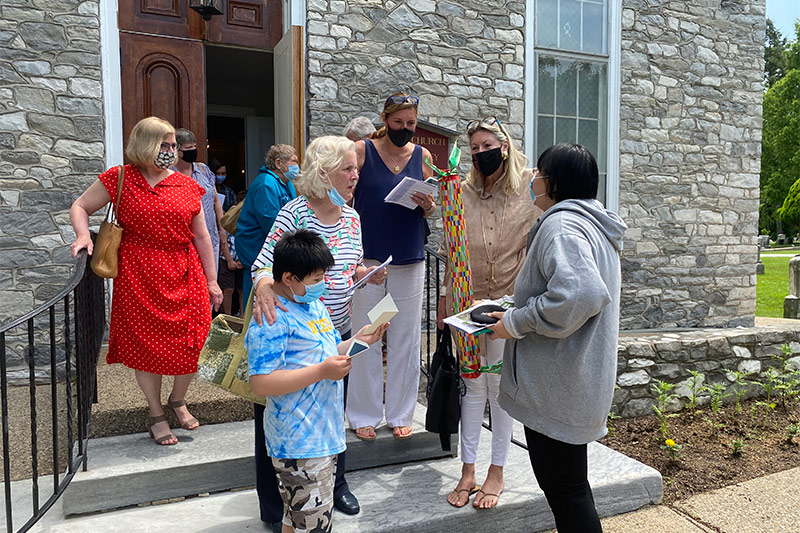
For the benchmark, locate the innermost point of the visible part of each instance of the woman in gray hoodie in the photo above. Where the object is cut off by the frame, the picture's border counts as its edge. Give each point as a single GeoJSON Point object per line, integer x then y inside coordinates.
{"type": "Point", "coordinates": [560, 364]}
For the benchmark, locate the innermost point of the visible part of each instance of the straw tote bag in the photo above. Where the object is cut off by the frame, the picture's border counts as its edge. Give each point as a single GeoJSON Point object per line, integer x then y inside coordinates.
{"type": "Point", "coordinates": [223, 359]}
{"type": "Point", "coordinates": [105, 257]}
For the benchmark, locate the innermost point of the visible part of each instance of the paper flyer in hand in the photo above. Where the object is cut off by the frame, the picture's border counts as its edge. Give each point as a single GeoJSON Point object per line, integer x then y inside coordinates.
{"type": "Point", "coordinates": [381, 313]}
{"type": "Point", "coordinates": [462, 320]}
{"type": "Point", "coordinates": [362, 281]}
{"type": "Point", "coordinates": [401, 194]}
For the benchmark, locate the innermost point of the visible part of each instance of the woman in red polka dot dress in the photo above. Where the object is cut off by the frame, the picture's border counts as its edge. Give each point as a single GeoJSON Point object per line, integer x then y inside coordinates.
{"type": "Point", "coordinates": [160, 313]}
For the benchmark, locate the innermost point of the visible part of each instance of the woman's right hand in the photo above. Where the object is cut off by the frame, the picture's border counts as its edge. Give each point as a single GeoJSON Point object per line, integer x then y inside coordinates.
{"type": "Point", "coordinates": [80, 243]}
{"type": "Point", "coordinates": [265, 303]}
{"type": "Point", "coordinates": [441, 312]}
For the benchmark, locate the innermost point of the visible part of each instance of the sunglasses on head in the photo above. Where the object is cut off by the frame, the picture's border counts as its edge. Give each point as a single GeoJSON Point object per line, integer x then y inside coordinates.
{"type": "Point", "coordinates": [398, 99]}
{"type": "Point", "coordinates": [488, 121]}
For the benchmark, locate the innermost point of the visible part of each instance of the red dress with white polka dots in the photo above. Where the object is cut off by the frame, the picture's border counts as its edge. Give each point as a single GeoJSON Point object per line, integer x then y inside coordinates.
{"type": "Point", "coordinates": [160, 312]}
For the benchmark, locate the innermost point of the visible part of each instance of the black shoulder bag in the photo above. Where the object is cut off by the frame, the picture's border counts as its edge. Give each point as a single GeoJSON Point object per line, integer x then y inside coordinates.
{"type": "Point", "coordinates": [444, 391]}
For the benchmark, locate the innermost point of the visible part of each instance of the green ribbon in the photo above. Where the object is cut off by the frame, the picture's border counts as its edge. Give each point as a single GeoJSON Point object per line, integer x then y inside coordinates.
{"type": "Point", "coordinates": [491, 369]}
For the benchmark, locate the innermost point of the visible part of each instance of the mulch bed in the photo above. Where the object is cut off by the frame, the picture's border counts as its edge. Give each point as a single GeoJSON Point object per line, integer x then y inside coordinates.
{"type": "Point", "coordinates": [707, 460]}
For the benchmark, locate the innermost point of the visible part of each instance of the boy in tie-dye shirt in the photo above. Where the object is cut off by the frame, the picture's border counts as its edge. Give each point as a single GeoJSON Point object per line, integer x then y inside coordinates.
{"type": "Point", "coordinates": [298, 364]}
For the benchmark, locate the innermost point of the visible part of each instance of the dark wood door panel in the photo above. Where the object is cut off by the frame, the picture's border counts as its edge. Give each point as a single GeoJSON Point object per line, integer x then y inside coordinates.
{"type": "Point", "coordinates": [161, 17]}
{"type": "Point", "coordinates": [252, 23]}
{"type": "Point", "coordinates": [163, 77]}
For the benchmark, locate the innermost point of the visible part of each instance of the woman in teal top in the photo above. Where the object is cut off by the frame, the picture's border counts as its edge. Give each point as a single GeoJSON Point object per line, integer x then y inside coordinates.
{"type": "Point", "coordinates": [271, 189]}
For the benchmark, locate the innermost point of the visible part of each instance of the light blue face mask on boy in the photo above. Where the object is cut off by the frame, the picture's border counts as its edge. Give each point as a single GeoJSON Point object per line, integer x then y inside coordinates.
{"type": "Point", "coordinates": [534, 196]}
{"type": "Point", "coordinates": [314, 292]}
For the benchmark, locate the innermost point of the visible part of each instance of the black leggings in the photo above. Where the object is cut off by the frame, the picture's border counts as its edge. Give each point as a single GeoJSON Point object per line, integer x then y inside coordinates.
{"type": "Point", "coordinates": [561, 472]}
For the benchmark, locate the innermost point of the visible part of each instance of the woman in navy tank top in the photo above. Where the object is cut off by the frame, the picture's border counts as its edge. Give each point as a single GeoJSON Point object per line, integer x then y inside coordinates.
{"type": "Point", "coordinates": [390, 229]}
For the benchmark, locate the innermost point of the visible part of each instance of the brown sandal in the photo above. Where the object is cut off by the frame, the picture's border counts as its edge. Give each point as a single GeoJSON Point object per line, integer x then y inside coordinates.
{"type": "Point", "coordinates": [471, 491]}
{"type": "Point", "coordinates": [363, 429]}
{"type": "Point", "coordinates": [152, 421]}
{"type": "Point", "coordinates": [189, 423]}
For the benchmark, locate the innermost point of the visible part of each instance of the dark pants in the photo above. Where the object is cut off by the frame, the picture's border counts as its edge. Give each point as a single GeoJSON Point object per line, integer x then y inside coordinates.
{"type": "Point", "coordinates": [561, 472]}
{"type": "Point", "coordinates": [269, 499]}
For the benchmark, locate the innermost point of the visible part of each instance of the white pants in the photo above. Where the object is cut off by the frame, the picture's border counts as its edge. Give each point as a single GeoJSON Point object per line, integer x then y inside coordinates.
{"type": "Point", "coordinates": [365, 389]}
{"type": "Point", "coordinates": [485, 386]}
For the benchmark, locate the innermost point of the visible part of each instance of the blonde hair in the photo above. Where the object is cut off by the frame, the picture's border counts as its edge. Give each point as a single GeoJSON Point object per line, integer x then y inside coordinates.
{"type": "Point", "coordinates": [145, 140]}
{"type": "Point", "coordinates": [391, 107]}
{"type": "Point", "coordinates": [284, 152]}
{"type": "Point", "coordinates": [323, 155]}
{"type": "Point", "coordinates": [516, 162]}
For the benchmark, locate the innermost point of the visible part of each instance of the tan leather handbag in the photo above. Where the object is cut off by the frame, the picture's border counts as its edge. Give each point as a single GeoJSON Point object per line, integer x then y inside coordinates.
{"type": "Point", "coordinates": [231, 218]}
{"type": "Point", "coordinates": [105, 257]}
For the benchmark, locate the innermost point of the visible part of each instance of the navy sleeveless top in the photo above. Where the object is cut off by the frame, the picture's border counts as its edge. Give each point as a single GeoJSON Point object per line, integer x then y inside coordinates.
{"type": "Point", "coordinates": [388, 229]}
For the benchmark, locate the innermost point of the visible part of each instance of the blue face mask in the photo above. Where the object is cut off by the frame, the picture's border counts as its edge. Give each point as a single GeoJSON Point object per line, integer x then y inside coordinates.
{"type": "Point", "coordinates": [314, 292]}
{"type": "Point", "coordinates": [220, 178]}
{"type": "Point", "coordinates": [291, 173]}
{"type": "Point", "coordinates": [336, 198]}
{"type": "Point", "coordinates": [534, 196]}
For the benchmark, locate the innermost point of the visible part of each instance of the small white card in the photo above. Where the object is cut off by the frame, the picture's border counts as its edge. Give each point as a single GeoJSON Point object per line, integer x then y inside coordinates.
{"type": "Point", "coordinates": [401, 194]}
{"type": "Point", "coordinates": [381, 313]}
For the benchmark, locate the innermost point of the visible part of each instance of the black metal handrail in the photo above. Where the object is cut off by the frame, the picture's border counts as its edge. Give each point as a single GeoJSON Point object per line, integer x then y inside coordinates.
{"type": "Point", "coordinates": [81, 335]}
{"type": "Point", "coordinates": [434, 263]}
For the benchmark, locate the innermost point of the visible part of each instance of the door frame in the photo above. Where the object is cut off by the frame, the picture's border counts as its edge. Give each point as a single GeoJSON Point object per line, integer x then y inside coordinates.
{"type": "Point", "coordinates": [111, 78]}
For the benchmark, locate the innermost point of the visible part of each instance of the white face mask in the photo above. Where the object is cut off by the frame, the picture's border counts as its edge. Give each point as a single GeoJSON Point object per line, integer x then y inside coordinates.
{"type": "Point", "coordinates": [534, 196]}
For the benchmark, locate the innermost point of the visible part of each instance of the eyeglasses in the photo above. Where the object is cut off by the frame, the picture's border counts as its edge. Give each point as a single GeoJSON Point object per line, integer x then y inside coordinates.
{"type": "Point", "coordinates": [169, 146]}
{"type": "Point", "coordinates": [401, 99]}
{"type": "Point", "coordinates": [473, 126]}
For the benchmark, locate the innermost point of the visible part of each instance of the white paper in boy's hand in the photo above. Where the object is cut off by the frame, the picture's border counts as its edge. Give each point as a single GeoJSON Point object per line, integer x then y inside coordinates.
{"type": "Point", "coordinates": [381, 314]}
{"type": "Point", "coordinates": [401, 194]}
{"type": "Point", "coordinates": [356, 347]}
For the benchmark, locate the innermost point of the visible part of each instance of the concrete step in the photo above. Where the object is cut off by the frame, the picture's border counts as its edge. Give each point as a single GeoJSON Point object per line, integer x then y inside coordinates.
{"type": "Point", "coordinates": [130, 469]}
{"type": "Point", "coordinates": [398, 498]}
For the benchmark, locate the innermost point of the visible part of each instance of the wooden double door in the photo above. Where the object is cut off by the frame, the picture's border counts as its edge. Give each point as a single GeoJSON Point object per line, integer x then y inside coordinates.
{"type": "Point", "coordinates": [162, 49]}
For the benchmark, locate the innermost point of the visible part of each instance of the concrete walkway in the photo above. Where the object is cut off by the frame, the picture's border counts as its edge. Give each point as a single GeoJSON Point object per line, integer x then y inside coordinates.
{"type": "Point", "coordinates": [767, 504]}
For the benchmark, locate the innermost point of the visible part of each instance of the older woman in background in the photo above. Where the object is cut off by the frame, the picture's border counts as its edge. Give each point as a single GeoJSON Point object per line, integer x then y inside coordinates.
{"type": "Point", "coordinates": [561, 359]}
{"type": "Point", "coordinates": [269, 192]}
{"type": "Point", "coordinates": [498, 212]}
{"type": "Point", "coordinates": [167, 270]}
{"type": "Point", "coordinates": [326, 181]}
{"type": "Point", "coordinates": [359, 128]}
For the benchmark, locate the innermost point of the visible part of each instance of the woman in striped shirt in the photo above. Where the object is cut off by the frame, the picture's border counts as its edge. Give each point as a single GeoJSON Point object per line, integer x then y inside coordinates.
{"type": "Point", "coordinates": [326, 183]}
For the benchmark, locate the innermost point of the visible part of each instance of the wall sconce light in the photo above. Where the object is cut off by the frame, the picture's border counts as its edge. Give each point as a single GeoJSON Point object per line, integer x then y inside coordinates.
{"type": "Point", "coordinates": [207, 8]}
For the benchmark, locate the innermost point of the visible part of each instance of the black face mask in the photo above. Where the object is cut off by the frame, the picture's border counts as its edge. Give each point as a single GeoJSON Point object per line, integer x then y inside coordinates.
{"type": "Point", "coordinates": [190, 156]}
{"type": "Point", "coordinates": [488, 161]}
{"type": "Point", "coordinates": [400, 137]}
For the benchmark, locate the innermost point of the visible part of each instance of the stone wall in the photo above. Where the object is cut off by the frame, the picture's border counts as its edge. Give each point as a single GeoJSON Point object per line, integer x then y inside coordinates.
{"type": "Point", "coordinates": [689, 160]}
{"type": "Point", "coordinates": [465, 59]}
{"type": "Point", "coordinates": [51, 140]}
{"type": "Point", "coordinates": [715, 353]}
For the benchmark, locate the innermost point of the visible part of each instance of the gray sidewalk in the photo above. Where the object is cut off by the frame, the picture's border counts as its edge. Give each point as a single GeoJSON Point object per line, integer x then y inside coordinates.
{"type": "Point", "coordinates": [767, 504]}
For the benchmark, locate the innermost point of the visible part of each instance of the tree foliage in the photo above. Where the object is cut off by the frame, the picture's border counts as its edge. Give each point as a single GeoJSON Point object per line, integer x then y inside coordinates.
{"type": "Point", "coordinates": [774, 55]}
{"type": "Point", "coordinates": [780, 149]}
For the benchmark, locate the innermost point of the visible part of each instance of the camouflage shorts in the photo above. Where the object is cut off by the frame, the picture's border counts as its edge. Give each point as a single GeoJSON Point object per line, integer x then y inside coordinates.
{"type": "Point", "coordinates": [306, 487]}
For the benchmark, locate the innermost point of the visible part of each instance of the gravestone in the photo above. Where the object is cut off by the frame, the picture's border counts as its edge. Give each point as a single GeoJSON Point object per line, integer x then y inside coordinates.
{"type": "Point", "coordinates": [781, 239]}
{"type": "Point", "coordinates": [761, 244]}
{"type": "Point", "coordinates": [791, 304]}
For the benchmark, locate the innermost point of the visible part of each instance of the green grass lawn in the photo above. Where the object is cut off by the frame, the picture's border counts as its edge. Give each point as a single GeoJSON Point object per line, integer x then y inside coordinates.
{"type": "Point", "coordinates": [772, 286]}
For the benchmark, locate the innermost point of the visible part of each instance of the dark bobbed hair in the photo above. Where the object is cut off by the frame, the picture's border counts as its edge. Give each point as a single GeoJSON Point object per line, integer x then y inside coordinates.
{"type": "Point", "coordinates": [301, 253]}
{"type": "Point", "coordinates": [571, 172]}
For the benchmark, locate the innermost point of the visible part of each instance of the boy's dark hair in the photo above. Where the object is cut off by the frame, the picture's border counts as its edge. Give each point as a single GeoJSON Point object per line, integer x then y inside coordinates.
{"type": "Point", "coordinates": [571, 172]}
{"type": "Point", "coordinates": [300, 252]}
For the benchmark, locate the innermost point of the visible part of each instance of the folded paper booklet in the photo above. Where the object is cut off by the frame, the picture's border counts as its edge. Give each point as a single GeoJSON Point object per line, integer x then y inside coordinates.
{"type": "Point", "coordinates": [381, 313]}
{"type": "Point", "coordinates": [401, 194]}
{"type": "Point", "coordinates": [463, 321]}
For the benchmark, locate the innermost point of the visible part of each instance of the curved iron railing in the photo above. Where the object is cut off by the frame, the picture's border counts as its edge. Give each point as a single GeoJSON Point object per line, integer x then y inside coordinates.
{"type": "Point", "coordinates": [80, 329]}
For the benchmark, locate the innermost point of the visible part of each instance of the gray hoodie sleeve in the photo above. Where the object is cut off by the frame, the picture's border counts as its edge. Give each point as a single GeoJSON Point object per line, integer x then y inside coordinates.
{"type": "Point", "coordinates": [575, 291]}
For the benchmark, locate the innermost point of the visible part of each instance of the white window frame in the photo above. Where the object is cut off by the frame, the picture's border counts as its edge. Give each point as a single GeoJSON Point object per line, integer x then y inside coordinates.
{"type": "Point", "coordinates": [112, 81]}
{"type": "Point", "coordinates": [614, 32]}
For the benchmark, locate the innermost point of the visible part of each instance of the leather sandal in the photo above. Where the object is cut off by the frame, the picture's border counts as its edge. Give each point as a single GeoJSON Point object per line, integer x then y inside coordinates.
{"type": "Point", "coordinates": [402, 432]}
{"type": "Point", "coordinates": [458, 491]}
{"type": "Point", "coordinates": [189, 423]}
{"type": "Point", "coordinates": [152, 421]}
{"type": "Point", "coordinates": [485, 494]}
{"type": "Point", "coordinates": [364, 429]}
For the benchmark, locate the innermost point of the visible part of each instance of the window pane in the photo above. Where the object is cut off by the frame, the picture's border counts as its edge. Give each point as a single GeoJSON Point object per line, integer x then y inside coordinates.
{"type": "Point", "coordinates": [565, 130]}
{"type": "Point", "coordinates": [544, 135]}
{"type": "Point", "coordinates": [593, 28]}
{"type": "Point", "coordinates": [588, 83]}
{"type": "Point", "coordinates": [601, 189]}
{"type": "Point", "coordinates": [587, 135]}
{"type": "Point", "coordinates": [546, 84]}
{"type": "Point", "coordinates": [569, 24]}
{"type": "Point", "coordinates": [546, 23]}
{"type": "Point", "coordinates": [567, 88]}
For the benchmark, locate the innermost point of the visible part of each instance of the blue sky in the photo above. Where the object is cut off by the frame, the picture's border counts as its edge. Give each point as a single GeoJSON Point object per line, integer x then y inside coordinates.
{"type": "Point", "coordinates": [783, 13]}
